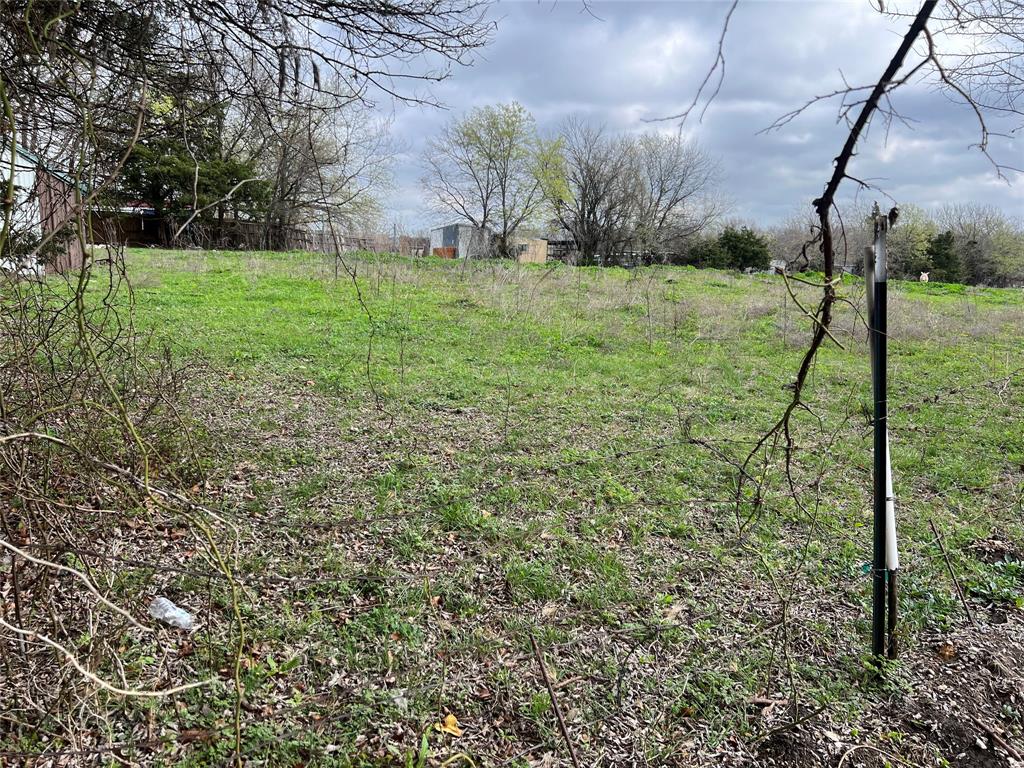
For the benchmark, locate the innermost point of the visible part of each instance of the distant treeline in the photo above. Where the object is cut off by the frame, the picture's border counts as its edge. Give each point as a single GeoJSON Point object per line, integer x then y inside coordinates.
{"type": "Point", "coordinates": [957, 243]}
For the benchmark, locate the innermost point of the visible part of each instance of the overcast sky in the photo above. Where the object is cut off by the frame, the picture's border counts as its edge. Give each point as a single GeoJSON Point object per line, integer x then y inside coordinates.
{"type": "Point", "coordinates": [629, 62]}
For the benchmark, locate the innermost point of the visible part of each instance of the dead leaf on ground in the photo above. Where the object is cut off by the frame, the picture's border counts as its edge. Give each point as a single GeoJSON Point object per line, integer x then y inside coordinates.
{"type": "Point", "coordinates": [450, 725]}
{"type": "Point", "coordinates": [671, 613]}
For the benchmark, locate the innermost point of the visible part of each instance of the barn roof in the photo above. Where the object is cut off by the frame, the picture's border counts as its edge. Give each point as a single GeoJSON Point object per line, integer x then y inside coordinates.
{"type": "Point", "coordinates": [33, 160]}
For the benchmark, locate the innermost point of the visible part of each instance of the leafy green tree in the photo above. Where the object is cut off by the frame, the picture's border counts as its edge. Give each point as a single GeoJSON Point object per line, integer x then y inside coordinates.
{"type": "Point", "coordinates": [1008, 256]}
{"type": "Point", "coordinates": [942, 252]}
{"type": "Point", "coordinates": [908, 243]}
{"type": "Point", "coordinates": [179, 171]}
{"type": "Point", "coordinates": [744, 248]}
{"type": "Point", "coordinates": [704, 251]}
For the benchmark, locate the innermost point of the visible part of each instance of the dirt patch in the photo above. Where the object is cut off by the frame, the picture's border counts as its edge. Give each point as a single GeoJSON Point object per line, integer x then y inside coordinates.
{"type": "Point", "coordinates": [960, 742]}
{"type": "Point", "coordinates": [968, 694]}
{"type": "Point", "coordinates": [791, 748]}
{"type": "Point", "coordinates": [993, 550]}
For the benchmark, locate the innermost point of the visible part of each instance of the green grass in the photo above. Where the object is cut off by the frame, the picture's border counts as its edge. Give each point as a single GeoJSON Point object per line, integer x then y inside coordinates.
{"type": "Point", "coordinates": [466, 455]}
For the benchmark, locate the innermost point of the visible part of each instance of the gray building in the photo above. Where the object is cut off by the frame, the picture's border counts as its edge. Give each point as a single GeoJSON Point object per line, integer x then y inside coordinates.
{"type": "Point", "coordinates": [460, 241]}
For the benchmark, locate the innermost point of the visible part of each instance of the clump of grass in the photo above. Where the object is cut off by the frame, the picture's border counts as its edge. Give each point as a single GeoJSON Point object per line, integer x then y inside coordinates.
{"type": "Point", "coordinates": [532, 579]}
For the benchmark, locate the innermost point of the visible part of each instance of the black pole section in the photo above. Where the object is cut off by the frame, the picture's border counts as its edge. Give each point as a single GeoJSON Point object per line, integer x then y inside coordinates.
{"type": "Point", "coordinates": [891, 630]}
{"type": "Point", "coordinates": [878, 571]}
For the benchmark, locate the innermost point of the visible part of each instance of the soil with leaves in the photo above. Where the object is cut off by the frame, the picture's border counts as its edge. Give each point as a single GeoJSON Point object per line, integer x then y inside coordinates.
{"type": "Point", "coordinates": [426, 464]}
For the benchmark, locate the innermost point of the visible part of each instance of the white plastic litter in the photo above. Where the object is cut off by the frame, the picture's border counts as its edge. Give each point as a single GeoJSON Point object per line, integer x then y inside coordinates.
{"type": "Point", "coordinates": [164, 610]}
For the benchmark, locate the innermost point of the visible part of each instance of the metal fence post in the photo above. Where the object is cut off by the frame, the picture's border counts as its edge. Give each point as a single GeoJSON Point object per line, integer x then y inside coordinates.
{"type": "Point", "coordinates": [885, 560]}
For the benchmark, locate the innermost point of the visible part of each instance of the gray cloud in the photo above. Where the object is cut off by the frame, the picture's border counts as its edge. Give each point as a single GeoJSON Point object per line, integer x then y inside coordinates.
{"type": "Point", "coordinates": [631, 62]}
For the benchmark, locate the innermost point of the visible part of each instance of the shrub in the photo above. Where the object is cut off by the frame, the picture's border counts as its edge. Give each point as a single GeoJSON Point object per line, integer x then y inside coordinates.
{"type": "Point", "coordinates": [744, 248]}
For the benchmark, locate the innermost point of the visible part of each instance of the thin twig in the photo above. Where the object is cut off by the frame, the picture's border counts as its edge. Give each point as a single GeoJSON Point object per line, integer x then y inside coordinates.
{"type": "Point", "coordinates": [554, 702]}
{"type": "Point", "coordinates": [997, 738]}
{"type": "Point", "coordinates": [134, 692]}
{"type": "Point", "coordinates": [80, 576]}
{"type": "Point", "coordinates": [789, 725]}
{"type": "Point", "coordinates": [952, 575]}
{"type": "Point", "coordinates": [883, 753]}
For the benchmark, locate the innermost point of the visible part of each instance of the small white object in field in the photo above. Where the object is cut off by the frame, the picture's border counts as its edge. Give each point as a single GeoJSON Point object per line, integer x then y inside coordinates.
{"type": "Point", "coordinates": [924, 277]}
{"type": "Point", "coordinates": [164, 610]}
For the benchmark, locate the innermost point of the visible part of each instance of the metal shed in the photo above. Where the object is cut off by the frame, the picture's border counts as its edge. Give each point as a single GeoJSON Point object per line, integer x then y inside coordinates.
{"type": "Point", "coordinates": [460, 241]}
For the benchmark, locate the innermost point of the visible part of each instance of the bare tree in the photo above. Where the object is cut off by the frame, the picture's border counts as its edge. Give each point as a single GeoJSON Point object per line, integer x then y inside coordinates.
{"type": "Point", "coordinates": [828, 242]}
{"type": "Point", "coordinates": [675, 197]}
{"type": "Point", "coordinates": [986, 79]}
{"type": "Point", "coordinates": [318, 159]}
{"type": "Point", "coordinates": [596, 199]}
{"type": "Point", "coordinates": [646, 193]}
{"type": "Point", "coordinates": [788, 237]}
{"type": "Point", "coordinates": [975, 52]}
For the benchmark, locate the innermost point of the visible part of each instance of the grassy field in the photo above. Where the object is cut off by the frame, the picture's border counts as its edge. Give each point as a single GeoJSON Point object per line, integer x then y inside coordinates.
{"type": "Point", "coordinates": [431, 462]}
